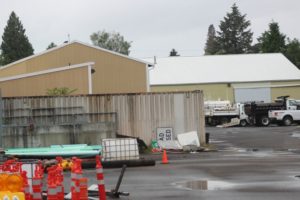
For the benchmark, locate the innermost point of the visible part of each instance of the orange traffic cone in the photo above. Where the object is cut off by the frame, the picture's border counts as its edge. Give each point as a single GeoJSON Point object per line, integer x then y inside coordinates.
{"type": "Point", "coordinates": [83, 184]}
{"type": "Point", "coordinates": [164, 158]}
{"type": "Point", "coordinates": [100, 178]}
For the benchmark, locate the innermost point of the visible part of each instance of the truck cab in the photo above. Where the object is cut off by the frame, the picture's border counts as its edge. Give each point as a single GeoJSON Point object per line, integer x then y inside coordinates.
{"type": "Point", "coordinates": [288, 115]}
{"type": "Point", "coordinates": [292, 104]}
{"type": "Point", "coordinates": [244, 119]}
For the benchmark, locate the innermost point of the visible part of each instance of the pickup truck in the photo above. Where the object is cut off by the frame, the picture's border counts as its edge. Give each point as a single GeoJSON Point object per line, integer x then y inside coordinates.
{"type": "Point", "coordinates": [288, 115]}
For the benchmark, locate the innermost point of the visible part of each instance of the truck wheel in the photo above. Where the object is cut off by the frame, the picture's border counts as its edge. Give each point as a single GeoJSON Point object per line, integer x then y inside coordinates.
{"type": "Point", "coordinates": [287, 120]}
{"type": "Point", "coordinates": [243, 123]}
{"type": "Point", "coordinates": [265, 121]}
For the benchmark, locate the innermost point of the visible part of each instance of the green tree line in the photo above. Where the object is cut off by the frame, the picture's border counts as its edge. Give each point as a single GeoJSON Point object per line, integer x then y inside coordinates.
{"type": "Point", "coordinates": [235, 37]}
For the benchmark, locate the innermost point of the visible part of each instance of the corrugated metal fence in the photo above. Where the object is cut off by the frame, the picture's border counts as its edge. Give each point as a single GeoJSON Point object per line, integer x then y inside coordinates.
{"type": "Point", "coordinates": [42, 121]}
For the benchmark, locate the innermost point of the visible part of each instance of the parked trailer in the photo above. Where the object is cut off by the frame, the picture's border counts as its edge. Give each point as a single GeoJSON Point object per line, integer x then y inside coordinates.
{"type": "Point", "coordinates": [221, 112]}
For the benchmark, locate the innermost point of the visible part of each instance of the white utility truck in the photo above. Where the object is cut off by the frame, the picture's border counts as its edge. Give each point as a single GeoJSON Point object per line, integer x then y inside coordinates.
{"type": "Point", "coordinates": [221, 112]}
{"type": "Point", "coordinates": [289, 114]}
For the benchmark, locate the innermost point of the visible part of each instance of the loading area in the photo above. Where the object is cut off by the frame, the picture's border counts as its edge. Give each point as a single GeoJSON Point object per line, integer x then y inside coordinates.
{"type": "Point", "coordinates": [251, 163]}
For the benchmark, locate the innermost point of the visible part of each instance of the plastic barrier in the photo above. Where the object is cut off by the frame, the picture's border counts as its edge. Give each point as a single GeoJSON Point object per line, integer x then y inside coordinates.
{"type": "Point", "coordinates": [17, 196]}
{"type": "Point", "coordinates": [14, 183]}
{"type": "Point", "coordinates": [5, 195]}
{"type": "Point", "coordinates": [12, 195]}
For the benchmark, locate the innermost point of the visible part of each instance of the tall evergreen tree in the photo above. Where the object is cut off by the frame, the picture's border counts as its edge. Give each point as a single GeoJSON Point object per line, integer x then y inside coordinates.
{"type": "Point", "coordinates": [234, 37]}
{"type": "Point", "coordinates": [255, 48]}
{"type": "Point", "coordinates": [272, 41]}
{"type": "Point", "coordinates": [292, 52]}
{"type": "Point", "coordinates": [211, 46]}
{"type": "Point", "coordinates": [112, 41]}
{"type": "Point", "coordinates": [173, 52]}
{"type": "Point", "coordinates": [15, 44]}
{"type": "Point", "coordinates": [1, 59]}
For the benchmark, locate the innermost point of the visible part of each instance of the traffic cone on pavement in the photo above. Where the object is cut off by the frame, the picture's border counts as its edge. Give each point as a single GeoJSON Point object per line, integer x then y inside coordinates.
{"type": "Point", "coordinates": [76, 175]}
{"type": "Point", "coordinates": [83, 184]}
{"type": "Point", "coordinates": [26, 187]}
{"type": "Point", "coordinates": [100, 178]}
{"type": "Point", "coordinates": [164, 158]}
{"type": "Point", "coordinates": [36, 188]}
{"type": "Point", "coordinates": [52, 187]}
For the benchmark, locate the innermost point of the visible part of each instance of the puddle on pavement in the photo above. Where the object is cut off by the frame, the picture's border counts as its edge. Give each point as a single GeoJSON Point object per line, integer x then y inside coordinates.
{"type": "Point", "coordinates": [294, 151]}
{"type": "Point", "coordinates": [298, 176]}
{"type": "Point", "coordinates": [296, 134]}
{"type": "Point", "coordinates": [216, 141]}
{"type": "Point", "coordinates": [205, 185]}
{"type": "Point", "coordinates": [271, 186]}
{"type": "Point", "coordinates": [253, 150]}
{"type": "Point", "coordinates": [248, 150]}
{"type": "Point", "coordinates": [256, 152]}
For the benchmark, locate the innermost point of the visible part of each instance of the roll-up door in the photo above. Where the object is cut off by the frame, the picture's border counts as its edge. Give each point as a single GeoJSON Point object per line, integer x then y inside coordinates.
{"type": "Point", "coordinates": [252, 94]}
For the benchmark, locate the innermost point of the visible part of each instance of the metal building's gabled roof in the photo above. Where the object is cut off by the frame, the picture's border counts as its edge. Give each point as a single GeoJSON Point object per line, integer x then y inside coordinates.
{"type": "Point", "coordinates": [70, 43]}
{"type": "Point", "coordinates": [222, 69]}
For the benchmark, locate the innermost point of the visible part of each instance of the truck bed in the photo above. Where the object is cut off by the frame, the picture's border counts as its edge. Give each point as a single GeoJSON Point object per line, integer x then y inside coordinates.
{"type": "Point", "coordinates": [262, 108]}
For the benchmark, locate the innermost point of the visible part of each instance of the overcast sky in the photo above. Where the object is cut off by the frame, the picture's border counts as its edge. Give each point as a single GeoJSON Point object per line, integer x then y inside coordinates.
{"type": "Point", "coordinates": [153, 26]}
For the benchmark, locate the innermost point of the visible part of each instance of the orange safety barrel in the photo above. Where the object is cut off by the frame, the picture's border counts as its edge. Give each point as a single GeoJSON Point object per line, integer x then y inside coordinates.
{"type": "Point", "coordinates": [3, 184]}
{"type": "Point", "coordinates": [14, 183]}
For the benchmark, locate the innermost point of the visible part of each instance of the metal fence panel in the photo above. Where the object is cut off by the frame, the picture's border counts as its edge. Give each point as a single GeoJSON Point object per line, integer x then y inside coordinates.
{"type": "Point", "coordinates": [42, 121]}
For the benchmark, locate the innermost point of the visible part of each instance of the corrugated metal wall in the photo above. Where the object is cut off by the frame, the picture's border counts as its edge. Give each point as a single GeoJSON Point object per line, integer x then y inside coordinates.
{"type": "Point", "coordinates": [137, 115]}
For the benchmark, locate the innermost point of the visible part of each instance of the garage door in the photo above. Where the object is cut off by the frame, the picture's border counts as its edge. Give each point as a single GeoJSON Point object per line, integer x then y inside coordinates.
{"type": "Point", "coordinates": [252, 94]}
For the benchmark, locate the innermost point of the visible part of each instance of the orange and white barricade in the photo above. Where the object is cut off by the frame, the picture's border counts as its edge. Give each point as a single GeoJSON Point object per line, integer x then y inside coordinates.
{"type": "Point", "coordinates": [100, 179]}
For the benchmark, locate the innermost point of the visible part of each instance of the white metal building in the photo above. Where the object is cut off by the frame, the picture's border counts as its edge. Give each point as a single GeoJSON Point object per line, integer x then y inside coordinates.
{"type": "Point", "coordinates": [239, 78]}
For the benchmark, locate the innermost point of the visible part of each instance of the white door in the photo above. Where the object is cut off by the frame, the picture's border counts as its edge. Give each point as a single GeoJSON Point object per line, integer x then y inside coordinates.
{"type": "Point", "coordinates": [252, 94]}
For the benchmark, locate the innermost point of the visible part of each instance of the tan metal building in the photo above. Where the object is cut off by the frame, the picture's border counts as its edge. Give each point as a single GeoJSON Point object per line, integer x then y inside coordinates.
{"type": "Point", "coordinates": [76, 65]}
{"type": "Point", "coordinates": [238, 78]}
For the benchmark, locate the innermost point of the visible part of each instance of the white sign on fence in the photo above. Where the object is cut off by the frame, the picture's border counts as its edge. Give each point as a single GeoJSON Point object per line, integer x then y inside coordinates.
{"type": "Point", "coordinates": [164, 134]}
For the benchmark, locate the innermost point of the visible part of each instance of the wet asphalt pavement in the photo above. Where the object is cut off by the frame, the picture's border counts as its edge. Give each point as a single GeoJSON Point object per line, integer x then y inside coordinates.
{"type": "Point", "coordinates": [251, 163]}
